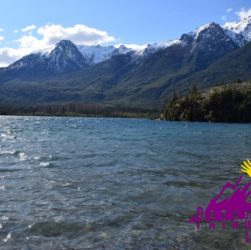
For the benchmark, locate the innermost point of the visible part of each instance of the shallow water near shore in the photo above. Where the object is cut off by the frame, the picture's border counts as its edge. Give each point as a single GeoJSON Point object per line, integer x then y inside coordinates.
{"type": "Point", "coordinates": [111, 183]}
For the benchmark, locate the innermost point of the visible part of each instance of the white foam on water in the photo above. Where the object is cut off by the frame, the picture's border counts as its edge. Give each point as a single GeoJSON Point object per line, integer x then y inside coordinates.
{"type": "Point", "coordinates": [2, 188]}
{"type": "Point", "coordinates": [8, 152]}
{"type": "Point", "coordinates": [22, 156]}
{"type": "Point", "coordinates": [44, 164]}
{"type": "Point", "coordinates": [7, 136]}
{"type": "Point", "coordinates": [66, 184]}
{"type": "Point", "coordinates": [7, 237]}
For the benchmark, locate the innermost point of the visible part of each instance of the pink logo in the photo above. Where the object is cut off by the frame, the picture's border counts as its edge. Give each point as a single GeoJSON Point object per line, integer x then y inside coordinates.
{"type": "Point", "coordinates": [234, 209]}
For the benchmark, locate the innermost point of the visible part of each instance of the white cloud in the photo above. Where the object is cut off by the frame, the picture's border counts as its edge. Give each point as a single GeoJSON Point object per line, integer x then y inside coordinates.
{"type": "Point", "coordinates": [1, 38]}
{"type": "Point", "coordinates": [29, 28]}
{"type": "Point", "coordinates": [15, 31]}
{"type": "Point", "coordinates": [1, 29]}
{"type": "Point", "coordinates": [79, 34]}
{"type": "Point", "coordinates": [229, 10]}
{"type": "Point", "coordinates": [9, 55]}
{"type": "Point", "coordinates": [29, 41]}
{"type": "Point", "coordinates": [51, 34]}
{"type": "Point", "coordinates": [243, 13]}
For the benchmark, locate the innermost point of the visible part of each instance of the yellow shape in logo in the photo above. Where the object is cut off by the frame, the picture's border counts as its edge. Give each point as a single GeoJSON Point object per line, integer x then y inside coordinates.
{"type": "Point", "coordinates": [246, 167]}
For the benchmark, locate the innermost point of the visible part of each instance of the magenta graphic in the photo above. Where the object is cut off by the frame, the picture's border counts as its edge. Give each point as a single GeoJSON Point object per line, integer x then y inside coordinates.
{"type": "Point", "coordinates": [230, 205]}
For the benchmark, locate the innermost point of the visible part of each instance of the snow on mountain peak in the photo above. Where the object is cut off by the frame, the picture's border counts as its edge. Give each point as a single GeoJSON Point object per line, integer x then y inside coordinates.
{"type": "Point", "coordinates": [201, 28]}
{"type": "Point", "coordinates": [204, 29]}
{"type": "Point", "coordinates": [66, 51]}
{"type": "Point", "coordinates": [96, 53]}
{"type": "Point", "coordinates": [242, 27]}
{"type": "Point", "coordinates": [238, 32]}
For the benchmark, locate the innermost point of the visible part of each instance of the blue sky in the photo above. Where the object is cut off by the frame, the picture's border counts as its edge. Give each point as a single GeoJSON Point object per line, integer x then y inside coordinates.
{"type": "Point", "coordinates": [105, 21]}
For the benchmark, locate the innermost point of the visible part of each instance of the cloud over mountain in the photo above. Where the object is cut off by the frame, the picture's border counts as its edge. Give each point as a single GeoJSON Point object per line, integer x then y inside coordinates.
{"type": "Point", "coordinates": [243, 13]}
{"type": "Point", "coordinates": [44, 38]}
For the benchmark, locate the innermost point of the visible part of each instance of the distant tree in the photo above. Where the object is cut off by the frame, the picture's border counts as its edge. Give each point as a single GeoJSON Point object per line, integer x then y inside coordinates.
{"type": "Point", "coordinates": [227, 104]}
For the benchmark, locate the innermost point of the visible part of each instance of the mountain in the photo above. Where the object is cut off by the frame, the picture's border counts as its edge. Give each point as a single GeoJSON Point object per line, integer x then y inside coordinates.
{"type": "Point", "coordinates": [144, 77]}
{"type": "Point", "coordinates": [96, 54]}
{"type": "Point", "coordinates": [242, 28]}
{"type": "Point", "coordinates": [65, 57]}
{"type": "Point", "coordinates": [152, 78]}
{"type": "Point", "coordinates": [233, 67]}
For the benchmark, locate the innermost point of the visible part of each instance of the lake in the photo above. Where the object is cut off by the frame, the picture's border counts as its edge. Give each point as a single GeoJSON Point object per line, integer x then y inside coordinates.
{"type": "Point", "coordinates": [111, 183]}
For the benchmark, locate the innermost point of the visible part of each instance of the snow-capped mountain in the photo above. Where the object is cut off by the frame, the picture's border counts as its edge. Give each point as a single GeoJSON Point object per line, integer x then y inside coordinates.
{"type": "Point", "coordinates": [97, 53]}
{"type": "Point", "coordinates": [243, 27]}
{"type": "Point", "coordinates": [237, 37]}
{"type": "Point", "coordinates": [130, 74]}
{"type": "Point", "coordinates": [65, 57]}
{"type": "Point", "coordinates": [210, 36]}
{"type": "Point", "coordinates": [209, 41]}
{"type": "Point", "coordinates": [237, 32]}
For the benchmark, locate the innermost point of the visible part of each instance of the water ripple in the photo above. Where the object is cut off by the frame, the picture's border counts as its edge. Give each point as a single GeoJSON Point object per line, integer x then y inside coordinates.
{"type": "Point", "coordinates": [99, 183]}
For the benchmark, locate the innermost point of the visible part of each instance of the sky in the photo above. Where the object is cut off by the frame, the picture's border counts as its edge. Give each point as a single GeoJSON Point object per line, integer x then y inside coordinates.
{"type": "Point", "coordinates": [27, 26]}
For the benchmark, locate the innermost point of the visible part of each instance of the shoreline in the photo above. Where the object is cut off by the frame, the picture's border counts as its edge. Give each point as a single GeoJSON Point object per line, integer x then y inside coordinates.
{"type": "Point", "coordinates": [129, 115]}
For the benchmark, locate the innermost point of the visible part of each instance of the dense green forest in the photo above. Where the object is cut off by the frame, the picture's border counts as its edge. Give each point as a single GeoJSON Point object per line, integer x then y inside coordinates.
{"type": "Point", "coordinates": [225, 103]}
{"type": "Point", "coordinates": [75, 109]}
{"type": "Point", "coordinates": [228, 103]}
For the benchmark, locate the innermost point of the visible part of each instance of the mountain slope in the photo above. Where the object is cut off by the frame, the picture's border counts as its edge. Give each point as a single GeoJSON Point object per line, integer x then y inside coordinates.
{"type": "Point", "coordinates": [231, 68]}
{"type": "Point", "coordinates": [120, 76]}
{"type": "Point", "coordinates": [64, 58]}
{"type": "Point", "coordinates": [145, 81]}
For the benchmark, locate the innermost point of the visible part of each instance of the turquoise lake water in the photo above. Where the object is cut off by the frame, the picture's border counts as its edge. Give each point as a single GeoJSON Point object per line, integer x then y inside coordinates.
{"type": "Point", "coordinates": [110, 183]}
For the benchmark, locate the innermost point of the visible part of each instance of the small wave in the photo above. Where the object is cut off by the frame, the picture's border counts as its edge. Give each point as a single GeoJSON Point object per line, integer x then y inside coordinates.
{"type": "Point", "coordinates": [4, 217]}
{"type": "Point", "coordinates": [18, 153]}
{"type": "Point", "coordinates": [67, 184]}
{"type": "Point", "coordinates": [7, 136]}
{"type": "Point", "coordinates": [44, 164]}
{"type": "Point", "coordinates": [4, 176]}
{"type": "Point", "coordinates": [14, 153]}
{"type": "Point", "coordinates": [7, 237]}
{"type": "Point", "coordinates": [8, 152]}
{"type": "Point", "coordinates": [2, 188]}
{"type": "Point", "coordinates": [22, 156]}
